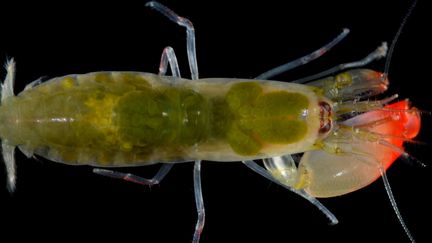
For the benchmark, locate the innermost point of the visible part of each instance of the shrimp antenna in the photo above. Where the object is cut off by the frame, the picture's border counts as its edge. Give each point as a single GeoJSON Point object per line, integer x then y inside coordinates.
{"type": "Point", "coordinates": [386, 71]}
{"type": "Point", "coordinates": [394, 205]}
{"type": "Point", "coordinates": [396, 38]}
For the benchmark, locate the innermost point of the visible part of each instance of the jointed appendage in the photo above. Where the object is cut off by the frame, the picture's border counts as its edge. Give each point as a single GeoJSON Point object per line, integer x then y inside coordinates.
{"type": "Point", "coordinates": [169, 57]}
{"type": "Point", "coordinates": [190, 34]}
{"type": "Point", "coordinates": [377, 54]}
{"type": "Point", "coordinates": [199, 202]}
{"type": "Point", "coordinates": [305, 59]}
{"type": "Point", "coordinates": [266, 174]}
{"type": "Point", "coordinates": [163, 171]}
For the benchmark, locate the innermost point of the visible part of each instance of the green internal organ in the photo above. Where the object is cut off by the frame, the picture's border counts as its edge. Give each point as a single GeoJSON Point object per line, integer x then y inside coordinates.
{"type": "Point", "coordinates": [261, 118]}
{"type": "Point", "coordinates": [170, 117]}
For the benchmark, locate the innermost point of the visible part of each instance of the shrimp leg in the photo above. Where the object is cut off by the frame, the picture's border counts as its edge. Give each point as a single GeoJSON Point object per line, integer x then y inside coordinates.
{"type": "Point", "coordinates": [168, 56]}
{"type": "Point", "coordinates": [377, 54]}
{"type": "Point", "coordinates": [199, 202]}
{"type": "Point", "coordinates": [305, 59]}
{"type": "Point", "coordinates": [263, 172]}
{"type": "Point", "coordinates": [163, 171]}
{"type": "Point", "coordinates": [190, 34]}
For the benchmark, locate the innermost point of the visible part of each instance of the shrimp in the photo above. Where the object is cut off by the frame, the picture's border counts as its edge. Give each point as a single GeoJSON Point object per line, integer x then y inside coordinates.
{"type": "Point", "coordinates": [120, 119]}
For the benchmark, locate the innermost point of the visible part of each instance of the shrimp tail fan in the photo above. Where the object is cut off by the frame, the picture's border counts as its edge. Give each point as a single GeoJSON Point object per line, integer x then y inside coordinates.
{"type": "Point", "coordinates": [7, 149]}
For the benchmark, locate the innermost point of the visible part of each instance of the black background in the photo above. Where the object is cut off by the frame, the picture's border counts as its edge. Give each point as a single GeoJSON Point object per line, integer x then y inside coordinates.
{"type": "Point", "coordinates": [234, 39]}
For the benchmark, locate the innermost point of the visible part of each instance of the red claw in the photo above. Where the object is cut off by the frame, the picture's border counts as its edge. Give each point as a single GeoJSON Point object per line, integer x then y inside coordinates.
{"type": "Point", "coordinates": [397, 122]}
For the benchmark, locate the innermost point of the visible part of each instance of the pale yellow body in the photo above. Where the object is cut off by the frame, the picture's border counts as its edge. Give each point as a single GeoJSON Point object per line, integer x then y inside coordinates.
{"type": "Point", "coordinates": [76, 119]}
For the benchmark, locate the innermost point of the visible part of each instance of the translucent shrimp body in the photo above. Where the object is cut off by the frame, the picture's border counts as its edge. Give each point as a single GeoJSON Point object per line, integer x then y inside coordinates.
{"type": "Point", "coordinates": [121, 119]}
{"type": "Point", "coordinates": [131, 119]}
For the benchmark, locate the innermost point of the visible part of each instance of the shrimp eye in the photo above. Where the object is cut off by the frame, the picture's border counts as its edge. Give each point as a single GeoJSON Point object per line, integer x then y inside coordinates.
{"type": "Point", "coordinates": [326, 123]}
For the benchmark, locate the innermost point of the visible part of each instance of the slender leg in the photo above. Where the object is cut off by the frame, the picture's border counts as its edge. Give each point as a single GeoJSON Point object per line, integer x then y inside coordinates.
{"type": "Point", "coordinates": [377, 54]}
{"type": "Point", "coordinates": [163, 171]}
{"type": "Point", "coordinates": [169, 57]}
{"type": "Point", "coordinates": [190, 34]}
{"type": "Point", "coordinates": [258, 169]}
{"type": "Point", "coordinates": [305, 59]}
{"type": "Point", "coordinates": [199, 202]}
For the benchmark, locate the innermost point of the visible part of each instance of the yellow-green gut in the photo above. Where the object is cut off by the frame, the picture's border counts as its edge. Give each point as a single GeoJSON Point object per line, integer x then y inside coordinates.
{"type": "Point", "coordinates": [130, 118]}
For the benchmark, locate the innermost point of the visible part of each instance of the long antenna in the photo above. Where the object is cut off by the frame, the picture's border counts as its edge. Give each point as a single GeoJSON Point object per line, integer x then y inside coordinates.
{"type": "Point", "coordinates": [386, 72]}
{"type": "Point", "coordinates": [396, 38]}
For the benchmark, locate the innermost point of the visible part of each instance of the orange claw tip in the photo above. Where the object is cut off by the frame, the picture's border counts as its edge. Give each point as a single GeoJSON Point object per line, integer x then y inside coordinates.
{"type": "Point", "coordinates": [371, 137]}
{"type": "Point", "coordinates": [396, 123]}
{"type": "Point", "coordinates": [405, 123]}
{"type": "Point", "coordinates": [410, 121]}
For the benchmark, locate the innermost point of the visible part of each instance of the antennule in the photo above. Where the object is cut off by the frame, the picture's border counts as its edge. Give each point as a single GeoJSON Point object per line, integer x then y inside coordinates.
{"type": "Point", "coordinates": [396, 38]}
